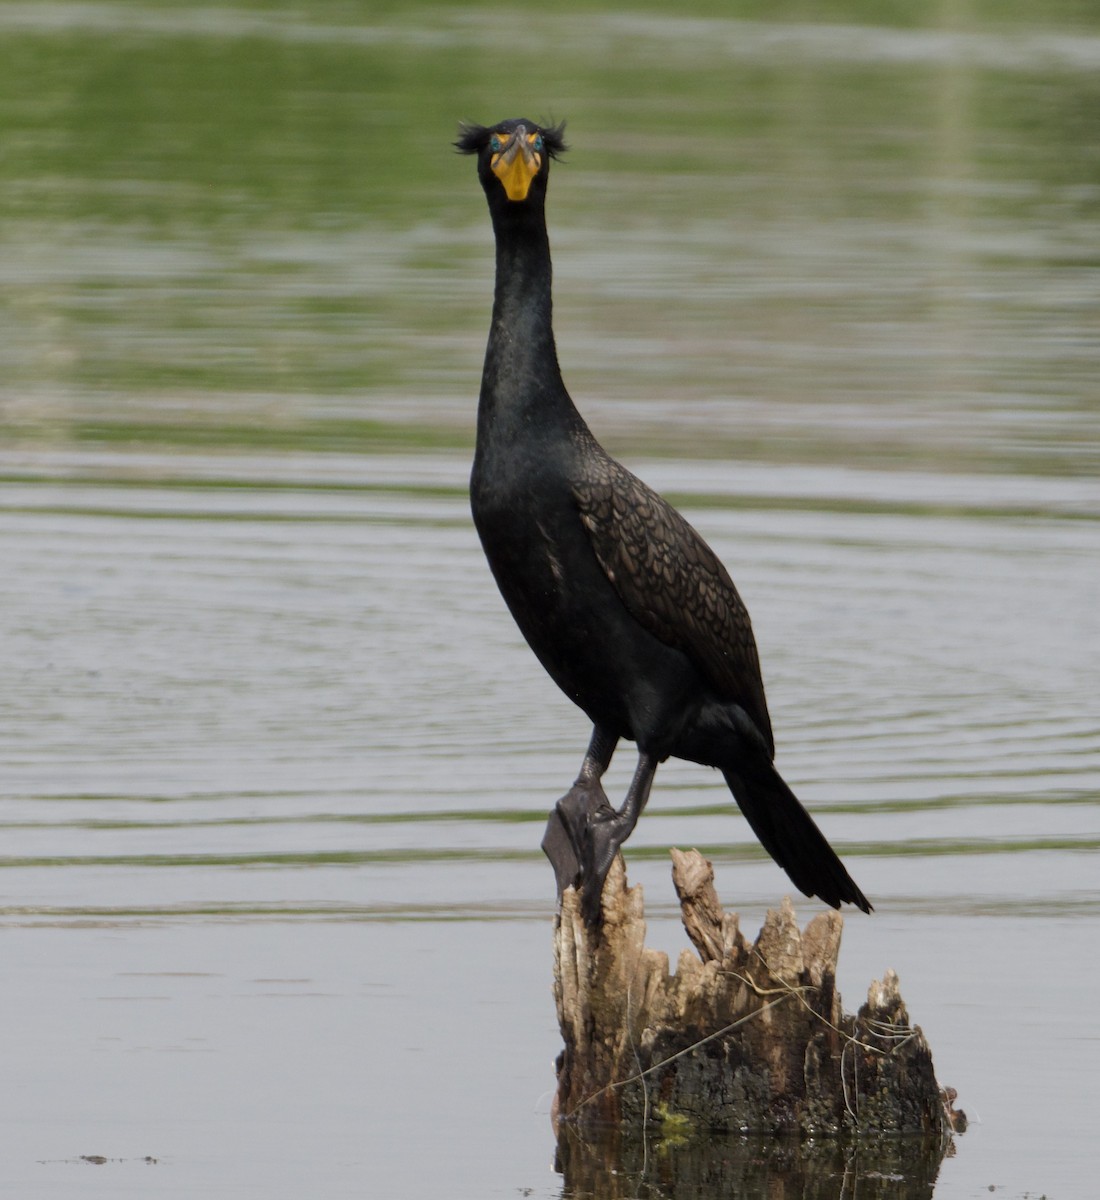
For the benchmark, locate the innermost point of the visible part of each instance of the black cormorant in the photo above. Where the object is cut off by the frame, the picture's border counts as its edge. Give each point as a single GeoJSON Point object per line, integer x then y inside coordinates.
{"type": "Point", "coordinates": [624, 604]}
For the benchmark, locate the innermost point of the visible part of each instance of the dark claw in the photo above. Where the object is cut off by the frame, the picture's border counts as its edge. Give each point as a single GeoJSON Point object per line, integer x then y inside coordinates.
{"type": "Point", "coordinates": [591, 894]}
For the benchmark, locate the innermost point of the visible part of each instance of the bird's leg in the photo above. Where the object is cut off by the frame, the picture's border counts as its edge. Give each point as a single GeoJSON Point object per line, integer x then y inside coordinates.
{"type": "Point", "coordinates": [607, 830]}
{"type": "Point", "coordinates": [566, 826]}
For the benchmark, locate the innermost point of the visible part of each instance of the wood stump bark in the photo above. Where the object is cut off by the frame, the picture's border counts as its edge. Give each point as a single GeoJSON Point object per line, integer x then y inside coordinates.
{"type": "Point", "coordinates": [742, 1038]}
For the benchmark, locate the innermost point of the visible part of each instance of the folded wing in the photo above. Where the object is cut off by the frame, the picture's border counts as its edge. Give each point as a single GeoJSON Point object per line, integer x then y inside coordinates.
{"type": "Point", "coordinates": [673, 584]}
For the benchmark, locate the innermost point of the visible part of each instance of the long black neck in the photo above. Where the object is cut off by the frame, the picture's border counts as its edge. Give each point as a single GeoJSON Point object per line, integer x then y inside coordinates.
{"type": "Point", "coordinates": [522, 393]}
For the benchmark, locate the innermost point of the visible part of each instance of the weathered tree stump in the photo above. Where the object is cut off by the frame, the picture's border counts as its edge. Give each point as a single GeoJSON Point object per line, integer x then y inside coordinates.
{"type": "Point", "coordinates": [742, 1039]}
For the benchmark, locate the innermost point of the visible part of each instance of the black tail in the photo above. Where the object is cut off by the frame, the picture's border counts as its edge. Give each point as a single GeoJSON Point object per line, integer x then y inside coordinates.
{"type": "Point", "coordinates": [788, 833]}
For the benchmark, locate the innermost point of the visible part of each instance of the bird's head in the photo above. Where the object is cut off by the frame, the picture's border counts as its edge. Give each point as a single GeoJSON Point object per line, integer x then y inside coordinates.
{"type": "Point", "coordinates": [513, 158]}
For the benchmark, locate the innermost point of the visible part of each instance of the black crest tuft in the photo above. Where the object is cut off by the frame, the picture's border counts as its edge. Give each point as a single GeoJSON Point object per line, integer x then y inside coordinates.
{"type": "Point", "coordinates": [472, 139]}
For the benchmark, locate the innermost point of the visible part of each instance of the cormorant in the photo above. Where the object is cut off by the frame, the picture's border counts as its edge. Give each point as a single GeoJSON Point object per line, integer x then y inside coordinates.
{"type": "Point", "coordinates": [624, 604]}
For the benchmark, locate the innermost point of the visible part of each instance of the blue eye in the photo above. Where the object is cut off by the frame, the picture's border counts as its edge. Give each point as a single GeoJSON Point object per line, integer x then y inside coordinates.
{"type": "Point", "coordinates": [538, 141]}
{"type": "Point", "coordinates": [495, 143]}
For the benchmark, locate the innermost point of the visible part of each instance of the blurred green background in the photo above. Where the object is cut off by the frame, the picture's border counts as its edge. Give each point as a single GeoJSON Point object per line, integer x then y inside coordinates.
{"type": "Point", "coordinates": [861, 231]}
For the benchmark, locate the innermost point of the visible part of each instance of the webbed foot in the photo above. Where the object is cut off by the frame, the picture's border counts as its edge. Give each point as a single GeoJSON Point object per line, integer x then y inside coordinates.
{"type": "Point", "coordinates": [583, 835]}
{"type": "Point", "coordinates": [565, 839]}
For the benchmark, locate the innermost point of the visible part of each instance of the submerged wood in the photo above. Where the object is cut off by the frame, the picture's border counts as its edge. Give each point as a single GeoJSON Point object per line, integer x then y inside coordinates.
{"type": "Point", "coordinates": [742, 1038]}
